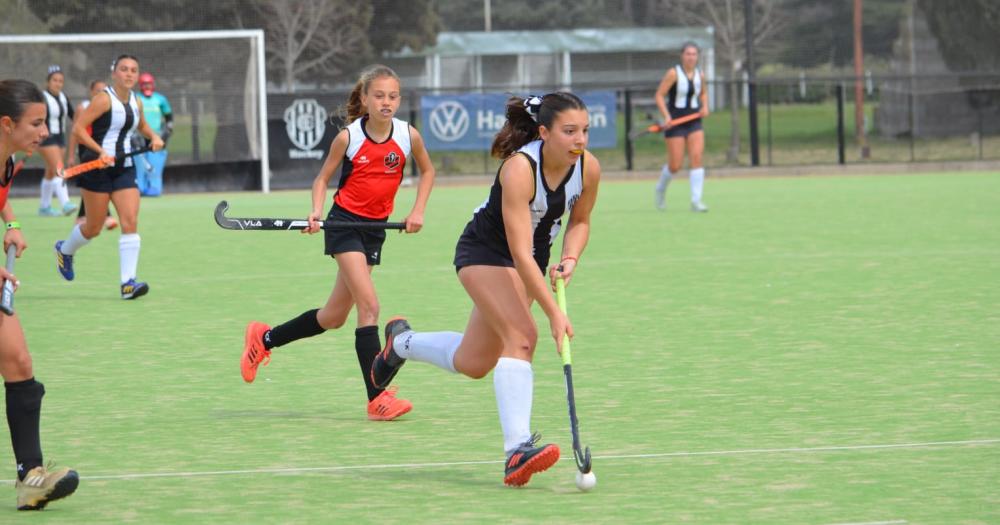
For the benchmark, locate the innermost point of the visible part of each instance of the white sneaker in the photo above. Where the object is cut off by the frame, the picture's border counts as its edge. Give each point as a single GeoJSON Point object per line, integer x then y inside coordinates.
{"type": "Point", "coordinates": [699, 207]}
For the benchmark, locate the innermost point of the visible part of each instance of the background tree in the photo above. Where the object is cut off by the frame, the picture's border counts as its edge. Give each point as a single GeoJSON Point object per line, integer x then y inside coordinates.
{"type": "Point", "coordinates": [325, 37]}
{"type": "Point", "coordinates": [822, 35]}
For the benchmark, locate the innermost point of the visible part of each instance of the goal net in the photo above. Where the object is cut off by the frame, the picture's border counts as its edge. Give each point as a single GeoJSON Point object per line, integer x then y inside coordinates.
{"type": "Point", "coordinates": [214, 81]}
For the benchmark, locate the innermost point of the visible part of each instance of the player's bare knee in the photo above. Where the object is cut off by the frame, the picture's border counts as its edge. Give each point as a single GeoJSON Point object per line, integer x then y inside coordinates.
{"type": "Point", "coordinates": [331, 320]}
{"type": "Point", "coordinates": [89, 232]}
{"type": "Point", "coordinates": [674, 166]}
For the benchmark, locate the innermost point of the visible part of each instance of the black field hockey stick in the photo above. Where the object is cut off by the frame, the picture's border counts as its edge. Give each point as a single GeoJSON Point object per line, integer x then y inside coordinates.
{"type": "Point", "coordinates": [7, 296]}
{"type": "Point", "coordinates": [580, 454]}
{"type": "Point", "coordinates": [263, 223]}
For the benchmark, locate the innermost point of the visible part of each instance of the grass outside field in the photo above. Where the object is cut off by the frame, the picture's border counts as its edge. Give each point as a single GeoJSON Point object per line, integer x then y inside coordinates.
{"type": "Point", "coordinates": [801, 134]}
{"type": "Point", "coordinates": [814, 350]}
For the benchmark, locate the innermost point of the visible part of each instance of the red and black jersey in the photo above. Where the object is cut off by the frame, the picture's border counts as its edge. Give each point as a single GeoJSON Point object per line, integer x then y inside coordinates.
{"type": "Point", "coordinates": [372, 170]}
{"type": "Point", "coordinates": [7, 181]}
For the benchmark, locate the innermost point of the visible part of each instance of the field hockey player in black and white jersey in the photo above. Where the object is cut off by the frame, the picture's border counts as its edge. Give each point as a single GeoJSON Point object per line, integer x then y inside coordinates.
{"type": "Point", "coordinates": [58, 118]}
{"type": "Point", "coordinates": [683, 92]}
{"type": "Point", "coordinates": [502, 259]}
{"type": "Point", "coordinates": [114, 114]}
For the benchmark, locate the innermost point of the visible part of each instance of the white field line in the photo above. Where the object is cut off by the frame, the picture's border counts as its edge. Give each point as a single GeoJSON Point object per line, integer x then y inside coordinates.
{"type": "Point", "coordinates": [890, 522]}
{"type": "Point", "coordinates": [390, 466]}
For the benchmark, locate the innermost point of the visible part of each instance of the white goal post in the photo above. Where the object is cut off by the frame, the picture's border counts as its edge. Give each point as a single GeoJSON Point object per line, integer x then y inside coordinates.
{"type": "Point", "coordinates": [86, 55]}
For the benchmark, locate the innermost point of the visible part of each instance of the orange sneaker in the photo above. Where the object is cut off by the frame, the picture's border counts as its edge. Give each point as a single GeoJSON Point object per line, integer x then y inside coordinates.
{"type": "Point", "coordinates": [254, 352]}
{"type": "Point", "coordinates": [387, 406]}
{"type": "Point", "coordinates": [529, 459]}
{"type": "Point", "coordinates": [110, 223]}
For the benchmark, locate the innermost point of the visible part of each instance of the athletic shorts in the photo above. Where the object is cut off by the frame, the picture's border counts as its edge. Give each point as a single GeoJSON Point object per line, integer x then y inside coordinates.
{"type": "Point", "coordinates": [108, 180]}
{"type": "Point", "coordinates": [55, 139]}
{"type": "Point", "coordinates": [684, 129]}
{"type": "Point", "coordinates": [470, 251]}
{"type": "Point", "coordinates": [341, 240]}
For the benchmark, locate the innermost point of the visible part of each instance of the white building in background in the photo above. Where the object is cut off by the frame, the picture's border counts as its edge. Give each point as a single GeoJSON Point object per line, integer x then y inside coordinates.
{"type": "Point", "coordinates": [572, 58]}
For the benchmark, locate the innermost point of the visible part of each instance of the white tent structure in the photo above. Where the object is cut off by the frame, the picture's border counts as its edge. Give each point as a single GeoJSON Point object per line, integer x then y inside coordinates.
{"type": "Point", "coordinates": [573, 58]}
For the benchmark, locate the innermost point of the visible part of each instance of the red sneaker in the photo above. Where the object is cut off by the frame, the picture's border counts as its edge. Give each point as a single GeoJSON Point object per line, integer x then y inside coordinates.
{"type": "Point", "coordinates": [254, 352]}
{"type": "Point", "coordinates": [387, 406]}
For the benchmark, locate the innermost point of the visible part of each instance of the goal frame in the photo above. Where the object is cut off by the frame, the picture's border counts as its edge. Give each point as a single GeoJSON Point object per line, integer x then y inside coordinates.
{"type": "Point", "coordinates": [256, 37]}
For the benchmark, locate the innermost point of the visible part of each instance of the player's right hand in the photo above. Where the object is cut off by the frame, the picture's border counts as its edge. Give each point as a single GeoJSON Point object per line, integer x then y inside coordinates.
{"type": "Point", "coordinates": [107, 160]}
{"type": "Point", "coordinates": [560, 326]}
{"type": "Point", "coordinates": [7, 276]}
{"type": "Point", "coordinates": [315, 223]}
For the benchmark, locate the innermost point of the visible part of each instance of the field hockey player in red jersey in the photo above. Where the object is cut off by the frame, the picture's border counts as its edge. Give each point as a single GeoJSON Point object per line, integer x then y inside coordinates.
{"type": "Point", "coordinates": [22, 128]}
{"type": "Point", "coordinates": [373, 150]}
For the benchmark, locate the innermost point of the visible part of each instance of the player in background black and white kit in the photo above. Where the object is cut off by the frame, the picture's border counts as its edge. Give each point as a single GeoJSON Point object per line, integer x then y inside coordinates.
{"type": "Point", "coordinates": [75, 150]}
{"type": "Point", "coordinates": [115, 114]}
{"type": "Point", "coordinates": [22, 128]}
{"type": "Point", "coordinates": [502, 258]}
{"type": "Point", "coordinates": [59, 115]}
{"type": "Point", "coordinates": [683, 92]}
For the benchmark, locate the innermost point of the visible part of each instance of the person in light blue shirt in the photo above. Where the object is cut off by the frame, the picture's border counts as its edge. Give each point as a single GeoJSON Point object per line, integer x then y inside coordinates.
{"type": "Point", "coordinates": [156, 109]}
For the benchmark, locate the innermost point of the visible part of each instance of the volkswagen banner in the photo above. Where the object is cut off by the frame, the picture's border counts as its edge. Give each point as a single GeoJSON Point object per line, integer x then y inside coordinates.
{"type": "Point", "coordinates": [470, 121]}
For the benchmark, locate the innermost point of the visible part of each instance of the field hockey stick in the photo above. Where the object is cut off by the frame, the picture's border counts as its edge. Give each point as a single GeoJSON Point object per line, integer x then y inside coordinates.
{"type": "Point", "coordinates": [262, 223]}
{"type": "Point", "coordinates": [582, 456]}
{"type": "Point", "coordinates": [7, 296]}
{"type": "Point", "coordinates": [656, 128]}
{"type": "Point", "coordinates": [97, 164]}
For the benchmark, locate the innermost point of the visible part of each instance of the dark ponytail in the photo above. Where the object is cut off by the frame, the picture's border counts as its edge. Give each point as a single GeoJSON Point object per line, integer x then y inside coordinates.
{"type": "Point", "coordinates": [525, 115]}
{"type": "Point", "coordinates": [15, 94]}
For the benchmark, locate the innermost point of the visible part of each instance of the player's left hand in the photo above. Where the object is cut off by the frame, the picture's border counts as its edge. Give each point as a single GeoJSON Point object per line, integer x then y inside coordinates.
{"type": "Point", "coordinates": [564, 269]}
{"type": "Point", "coordinates": [156, 143]}
{"type": "Point", "coordinates": [704, 112]}
{"type": "Point", "coordinates": [17, 239]}
{"type": "Point", "coordinates": [414, 222]}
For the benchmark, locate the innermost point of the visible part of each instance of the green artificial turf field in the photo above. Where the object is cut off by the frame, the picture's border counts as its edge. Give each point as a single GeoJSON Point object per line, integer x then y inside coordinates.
{"type": "Point", "coordinates": [814, 350]}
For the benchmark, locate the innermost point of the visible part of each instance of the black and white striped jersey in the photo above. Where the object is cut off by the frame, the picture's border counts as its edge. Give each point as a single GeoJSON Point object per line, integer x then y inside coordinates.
{"type": "Point", "coordinates": [683, 95]}
{"type": "Point", "coordinates": [548, 206]}
{"type": "Point", "coordinates": [57, 108]}
{"type": "Point", "coordinates": [113, 130]}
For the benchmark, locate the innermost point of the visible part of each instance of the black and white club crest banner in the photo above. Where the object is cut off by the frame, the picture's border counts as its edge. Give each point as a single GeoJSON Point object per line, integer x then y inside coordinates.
{"type": "Point", "coordinates": [305, 122]}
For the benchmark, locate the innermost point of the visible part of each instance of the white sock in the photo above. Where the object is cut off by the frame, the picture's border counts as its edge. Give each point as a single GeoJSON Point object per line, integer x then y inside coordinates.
{"type": "Point", "coordinates": [75, 241]}
{"type": "Point", "coordinates": [46, 200]}
{"type": "Point", "coordinates": [513, 381]}
{"type": "Point", "coordinates": [665, 176]}
{"type": "Point", "coordinates": [62, 193]}
{"type": "Point", "coordinates": [697, 176]}
{"type": "Point", "coordinates": [128, 251]}
{"type": "Point", "coordinates": [436, 348]}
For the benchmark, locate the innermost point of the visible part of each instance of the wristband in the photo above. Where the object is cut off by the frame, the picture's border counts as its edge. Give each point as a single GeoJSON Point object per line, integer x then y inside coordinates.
{"type": "Point", "coordinates": [13, 225]}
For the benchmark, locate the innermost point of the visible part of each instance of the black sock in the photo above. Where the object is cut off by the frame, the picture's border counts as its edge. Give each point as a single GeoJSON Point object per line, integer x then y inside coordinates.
{"type": "Point", "coordinates": [24, 408]}
{"type": "Point", "coordinates": [305, 325]}
{"type": "Point", "coordinates": [367, 344]}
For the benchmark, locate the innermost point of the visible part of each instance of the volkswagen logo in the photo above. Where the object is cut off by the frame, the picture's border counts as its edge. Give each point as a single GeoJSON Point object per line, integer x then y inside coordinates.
{"type": "Point", "coordinates": [305, 121]}
{"type": "Point", "coordinates": [449, 121]}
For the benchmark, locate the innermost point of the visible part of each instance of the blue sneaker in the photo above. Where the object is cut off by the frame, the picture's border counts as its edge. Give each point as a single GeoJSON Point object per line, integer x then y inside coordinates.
{"type": "Point", "coordinates": [64, 262]}
{"type": "Point", "coordinates": [133, 289]}
{"type": "Point", "coordinates": [47, 211]}
{"type": "Point", "coordinates": [69, 208]}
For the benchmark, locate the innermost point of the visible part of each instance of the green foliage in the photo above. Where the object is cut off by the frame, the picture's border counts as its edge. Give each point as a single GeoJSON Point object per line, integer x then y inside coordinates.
{"type": "Point", "coordinates": [967, 32]}
{"type": "Point", "coordinates": [823, 32]}
{"type": "Point", "coordinates": [404, 23]}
